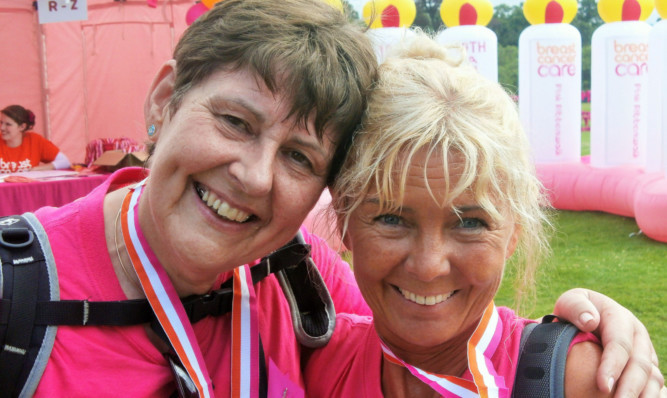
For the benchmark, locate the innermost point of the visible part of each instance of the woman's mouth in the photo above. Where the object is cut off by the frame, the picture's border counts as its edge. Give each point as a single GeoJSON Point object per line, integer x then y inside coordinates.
{"type": "Point", "coordinates": [425, 300]}
{"type": "Point", "coordinates": [222, 208]}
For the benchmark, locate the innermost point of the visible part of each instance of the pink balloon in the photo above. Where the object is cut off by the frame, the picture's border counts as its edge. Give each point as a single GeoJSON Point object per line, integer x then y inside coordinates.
{"type": "Point", "coordinates": [195, 12]}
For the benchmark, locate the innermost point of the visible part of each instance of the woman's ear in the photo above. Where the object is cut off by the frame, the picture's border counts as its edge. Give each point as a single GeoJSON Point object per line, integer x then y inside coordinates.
{"type": "Point", "coordinates": [156, 105]}
{"type": "Point", "coordinates": [514, 241]}
{"type": "Point", "coordinates": [23, 127]}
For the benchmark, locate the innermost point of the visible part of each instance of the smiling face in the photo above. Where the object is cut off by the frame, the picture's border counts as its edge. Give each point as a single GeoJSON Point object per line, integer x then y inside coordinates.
{"type": "Point", "coordinates": [427, 272]}
{"type": "Point", "coordinates": [231, 179]}
{"type": "Point", "coordinates": [12, 132]}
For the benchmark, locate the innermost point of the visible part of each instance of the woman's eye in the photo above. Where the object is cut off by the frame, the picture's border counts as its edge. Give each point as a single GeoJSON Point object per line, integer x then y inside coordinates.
{"type": "Point", "coordinates": [300, 158]}
{"type": "Point", "coordinates": [234, 121]}
{"type": "Point", "coordinates": [471, 223]}
{"type": "Point", "coordinates": [389, 219]}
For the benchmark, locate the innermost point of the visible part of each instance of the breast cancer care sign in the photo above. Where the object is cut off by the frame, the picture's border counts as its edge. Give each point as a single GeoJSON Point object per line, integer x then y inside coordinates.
{"type": "Point", "coordinates": [657, 93]}
{"type": "Point", "coordinates": [389, 22]}
{"type": "Point", "coordinates": [550, 81]}
{"type": "Point", "coordinates": [466, 22]}
{"type": "Point", "coordinates": [619, 83]}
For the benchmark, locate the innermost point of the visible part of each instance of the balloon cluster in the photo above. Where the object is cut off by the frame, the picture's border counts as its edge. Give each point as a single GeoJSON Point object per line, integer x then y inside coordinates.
{"type": "Point", "coordinates": [390, 13]}
{"type": "Point", "coordinates": [625, 10]}
{"type": "Point", "coordinates": [466, 12]}
{"type": "Point", "coordinates": [201, 6]}
{"type": "Point", "coordinates": [198, 9]}
{"type": "Point", "coordinates": [549, 11]}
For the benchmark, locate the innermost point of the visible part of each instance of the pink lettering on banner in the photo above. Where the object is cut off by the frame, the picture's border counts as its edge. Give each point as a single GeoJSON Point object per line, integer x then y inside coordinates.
{"type": "Point", "coordinates": [558, 118]}
{"type": "Point", "coordinates": [556, 60]}
{"type": "Point", "coordinates": [474, 46]}
{"type": "Point", "coordinates": [631, 59]}
{"type": "Point", "coordinates": [636, 119]}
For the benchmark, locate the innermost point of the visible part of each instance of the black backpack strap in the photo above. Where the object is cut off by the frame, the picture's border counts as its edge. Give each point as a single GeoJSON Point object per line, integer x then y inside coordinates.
{"type": "Point", "coordinates": [135, 312]}
{"type": "Point", "coordinates": [28, 275]}
{"type": "Point", "coordinates": [312, 309]}
{"type": "Point", "coordinates": [541, 368]}
{"type": "Point", "coordinates": [29, 310]}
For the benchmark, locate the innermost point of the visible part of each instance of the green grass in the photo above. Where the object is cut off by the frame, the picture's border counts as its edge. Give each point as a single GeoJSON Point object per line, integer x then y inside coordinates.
{"type": "Point", "coordinates": [585, 135]}
{"type": "Point", "coordinates": [603, 252]}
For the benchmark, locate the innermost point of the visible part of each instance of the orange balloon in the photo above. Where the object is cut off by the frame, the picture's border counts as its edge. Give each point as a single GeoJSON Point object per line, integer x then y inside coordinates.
{"type": "Point", "coordinates": [210, 3]}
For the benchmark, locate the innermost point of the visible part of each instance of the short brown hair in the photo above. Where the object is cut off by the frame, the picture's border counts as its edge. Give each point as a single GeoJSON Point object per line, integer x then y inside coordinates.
{"type": "Point", "coordinates": [305, 49]}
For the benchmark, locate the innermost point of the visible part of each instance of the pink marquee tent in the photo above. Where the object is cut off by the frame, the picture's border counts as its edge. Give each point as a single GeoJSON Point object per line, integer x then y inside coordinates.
{"type": "Point", "coordinates": [86, 79]}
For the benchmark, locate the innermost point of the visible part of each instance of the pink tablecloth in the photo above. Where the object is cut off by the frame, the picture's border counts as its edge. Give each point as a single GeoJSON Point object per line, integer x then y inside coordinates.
{"type": "Point", "coordinates": [18, 198]}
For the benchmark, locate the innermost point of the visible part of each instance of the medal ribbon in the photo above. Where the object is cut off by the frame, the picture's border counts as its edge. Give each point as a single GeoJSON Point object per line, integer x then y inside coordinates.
{"type": "Point", "coordinates": [162, 295]}
{"type": "Point", "coordinates": [245, 336]}
{"type": "Point", "coordinates": [481, 347]}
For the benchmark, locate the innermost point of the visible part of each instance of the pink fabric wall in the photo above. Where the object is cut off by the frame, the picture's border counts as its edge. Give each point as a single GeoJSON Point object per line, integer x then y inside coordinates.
{"type": "Point", "coordinates": [91, 78]}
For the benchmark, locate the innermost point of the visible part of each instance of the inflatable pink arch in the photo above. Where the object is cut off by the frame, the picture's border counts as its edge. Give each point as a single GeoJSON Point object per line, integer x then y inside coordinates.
{"type": "Point", "coordinates": [622, 190]}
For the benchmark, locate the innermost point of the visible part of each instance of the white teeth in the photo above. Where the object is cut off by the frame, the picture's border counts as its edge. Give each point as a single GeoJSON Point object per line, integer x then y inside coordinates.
{"type": "Point", "coordinates": [221, 207]}
{"type": "Point", "coordinates": [425, 300]}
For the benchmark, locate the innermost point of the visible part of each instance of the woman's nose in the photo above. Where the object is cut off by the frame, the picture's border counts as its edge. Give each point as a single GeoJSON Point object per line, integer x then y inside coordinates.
{"type": "Point", "coordinates": [429, 258]}
{"type": "Point", "coordinates": [254, 171]}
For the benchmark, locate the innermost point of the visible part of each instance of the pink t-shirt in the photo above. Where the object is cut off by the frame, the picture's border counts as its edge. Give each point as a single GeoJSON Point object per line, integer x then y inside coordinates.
{"type": "Point", "coordinates": [351, 364]}
{"type": "Point", "coordinates": [121, 361]}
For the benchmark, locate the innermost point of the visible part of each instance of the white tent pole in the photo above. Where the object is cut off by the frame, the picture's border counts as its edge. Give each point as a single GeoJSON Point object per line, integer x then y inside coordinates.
{"type": "Point", "coordinates": [45, 81]}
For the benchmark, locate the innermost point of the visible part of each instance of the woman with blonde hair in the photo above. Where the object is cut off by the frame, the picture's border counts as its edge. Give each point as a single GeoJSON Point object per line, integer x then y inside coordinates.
{"type": "Point", "coordinates": [437, 193]}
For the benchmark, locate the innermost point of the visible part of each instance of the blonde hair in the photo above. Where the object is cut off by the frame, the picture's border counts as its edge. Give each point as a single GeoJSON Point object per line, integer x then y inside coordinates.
{"type": "Point", "coordinates": [425, 100]}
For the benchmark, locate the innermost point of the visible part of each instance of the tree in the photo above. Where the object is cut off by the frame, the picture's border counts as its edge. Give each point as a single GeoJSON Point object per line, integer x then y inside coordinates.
{"type": "Point", "coordinates": [428, 15]}
{"type": "Point", "coordinates": [586, 67]}
{"type": "Point", "coordinates": [508, 67]}
{"type": "Point", "coordinates": [508, 22]}
{"type": "Point", "coordinates": [351, 13]}
{"type": "Point", "coordinates": [587, 20]}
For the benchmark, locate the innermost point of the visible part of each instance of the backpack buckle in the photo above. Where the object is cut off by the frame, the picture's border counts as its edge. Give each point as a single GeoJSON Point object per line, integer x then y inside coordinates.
{"type": "Point", "coordinates": [16, 237]}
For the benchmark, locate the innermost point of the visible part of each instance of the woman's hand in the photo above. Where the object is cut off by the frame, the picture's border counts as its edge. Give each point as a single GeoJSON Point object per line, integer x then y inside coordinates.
{"type": "Point", "coordinates": [629, 360]}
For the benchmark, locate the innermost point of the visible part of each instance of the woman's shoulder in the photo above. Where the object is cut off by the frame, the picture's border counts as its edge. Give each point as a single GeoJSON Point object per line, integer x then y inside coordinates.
{"type": "Point", "coordinates": [351, 358]}
{"type": "Point", "coordinates": [34, 136]}
{"type": "Point", "coordinates": [352, 336]}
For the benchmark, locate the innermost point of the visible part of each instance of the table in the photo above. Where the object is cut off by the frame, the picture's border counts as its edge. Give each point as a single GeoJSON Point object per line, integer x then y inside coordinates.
{"type": "Point", "coordinates": [20, 197]}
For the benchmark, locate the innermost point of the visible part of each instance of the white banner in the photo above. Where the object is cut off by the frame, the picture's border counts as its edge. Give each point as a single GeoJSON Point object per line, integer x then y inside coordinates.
{"type": "Point", "coordinates": [480, 44]}
{"type": "Point", "coordinates": [619, 90]}
{"type": "Point", "coordinates": [550, 91]}
{"type": "Point", "coordinates": [62, 10]}
{"type": "Point", "coordinates": [657, 99]}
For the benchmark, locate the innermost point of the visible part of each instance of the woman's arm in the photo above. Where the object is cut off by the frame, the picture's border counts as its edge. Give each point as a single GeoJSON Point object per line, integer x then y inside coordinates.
{"type": "Point", "coordinates": [629, 362]}
{"type": "Point", "coordinates": [59, 163]}
{"type": "Point", "coordinates": [582, 363]}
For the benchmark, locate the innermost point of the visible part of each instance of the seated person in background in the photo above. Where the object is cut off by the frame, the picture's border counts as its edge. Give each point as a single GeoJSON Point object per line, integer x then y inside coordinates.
{"type": "Point", "coordinates": [437, 192]}
{"type": "Point", "coordinates": [22, 149]}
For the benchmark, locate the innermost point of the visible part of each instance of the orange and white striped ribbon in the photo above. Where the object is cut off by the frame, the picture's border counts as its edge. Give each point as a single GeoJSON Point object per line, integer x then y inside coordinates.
{"type": "Point", "coordinates": [245, 336]}
{"type": "Point", "coordinates": [481, 347]}
{"type": "Point", "coordinates": [162, 295]}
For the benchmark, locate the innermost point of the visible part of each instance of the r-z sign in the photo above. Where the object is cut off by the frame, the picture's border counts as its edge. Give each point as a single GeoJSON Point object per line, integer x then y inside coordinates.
{"type": "Point", "coordinates": [62, 10]}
